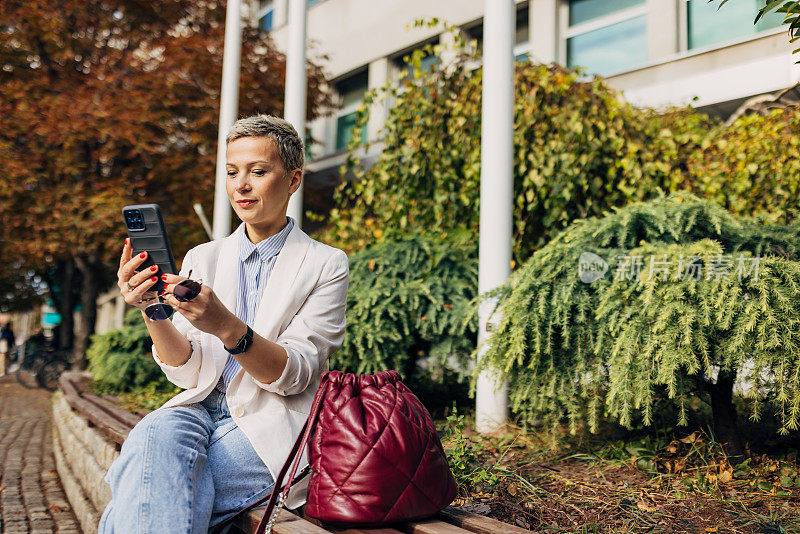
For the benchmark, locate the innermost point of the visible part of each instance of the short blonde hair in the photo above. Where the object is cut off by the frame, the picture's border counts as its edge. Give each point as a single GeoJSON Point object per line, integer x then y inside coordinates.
{"type": "Point", "coordinates": [290, 147]}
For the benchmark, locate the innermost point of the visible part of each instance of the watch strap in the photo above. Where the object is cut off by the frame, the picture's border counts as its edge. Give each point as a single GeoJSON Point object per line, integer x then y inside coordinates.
{"type": "Point", "coordinates": [244, 342]}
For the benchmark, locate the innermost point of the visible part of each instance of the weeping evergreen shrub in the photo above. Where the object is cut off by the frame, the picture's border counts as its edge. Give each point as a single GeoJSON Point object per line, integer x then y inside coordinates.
{"type": "Point", "coordinates": [408, 305]}
{"type": "Point", "coordinates": [122, 361]}
{"type": "Point", "coordinates": [582, 337]}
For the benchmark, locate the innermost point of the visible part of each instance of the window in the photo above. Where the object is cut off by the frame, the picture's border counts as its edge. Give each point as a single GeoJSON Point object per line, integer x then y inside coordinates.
{"type": "Point", "coordinates": [606, 37]}
{"type": "Point", "coordinates": [585, 10]}
{"type": "Point", "coordinates": [309, 143]}
{"type": "Point", "coordinates": [521, 35]}
{"type": "Point", "coordinates": [428, 60]}
{"type": "Point", "coordinates": [708, 25]}
{"type": "Point", "coordinates": [352, 92]}
{"type": "Point", "coordinates": [313, 2]}
{"type": "Point", "coordinates": [266, 9]}
{"type": "Point", "coordinates": [407, 70]}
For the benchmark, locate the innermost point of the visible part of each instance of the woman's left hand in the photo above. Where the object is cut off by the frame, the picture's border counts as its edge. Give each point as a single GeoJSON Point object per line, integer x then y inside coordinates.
{"type": "Point", "coordinates": [205, 312]}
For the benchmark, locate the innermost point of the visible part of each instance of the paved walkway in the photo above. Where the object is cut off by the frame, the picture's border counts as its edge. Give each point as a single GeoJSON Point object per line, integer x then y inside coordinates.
{"type": "Point", "coordinates": [31, 497]}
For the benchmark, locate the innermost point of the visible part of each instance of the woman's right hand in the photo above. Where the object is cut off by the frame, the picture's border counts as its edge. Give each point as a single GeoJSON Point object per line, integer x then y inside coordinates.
{"type": "Point", "coordinates": [134, 284]}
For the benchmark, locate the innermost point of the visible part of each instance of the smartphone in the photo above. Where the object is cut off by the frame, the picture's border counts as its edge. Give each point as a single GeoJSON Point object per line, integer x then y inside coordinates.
{"type": "Point", "coordinates": [147, 232]}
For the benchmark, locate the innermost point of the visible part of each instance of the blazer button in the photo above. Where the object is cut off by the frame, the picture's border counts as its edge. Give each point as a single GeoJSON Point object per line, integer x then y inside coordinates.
{"type": "Point", "coordinates": [238, 411]}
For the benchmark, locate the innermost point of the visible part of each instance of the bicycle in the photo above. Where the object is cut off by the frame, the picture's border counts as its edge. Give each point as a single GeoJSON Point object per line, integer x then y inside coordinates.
{"type": "Point", "coordinates": [41, 367]}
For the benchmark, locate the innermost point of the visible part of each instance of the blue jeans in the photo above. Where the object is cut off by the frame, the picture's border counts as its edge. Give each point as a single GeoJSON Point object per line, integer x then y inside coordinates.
{"type": "Point", "coordinates": [183, 470]}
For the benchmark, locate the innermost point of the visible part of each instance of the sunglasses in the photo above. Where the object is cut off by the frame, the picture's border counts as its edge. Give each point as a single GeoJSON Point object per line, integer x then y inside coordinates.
{"type": "Point", "coordinates": [184, 291]}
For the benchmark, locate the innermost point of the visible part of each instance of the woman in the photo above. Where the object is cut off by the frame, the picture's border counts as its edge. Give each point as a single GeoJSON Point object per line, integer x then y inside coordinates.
{"type": "Point", "coordinates": [248, 350]}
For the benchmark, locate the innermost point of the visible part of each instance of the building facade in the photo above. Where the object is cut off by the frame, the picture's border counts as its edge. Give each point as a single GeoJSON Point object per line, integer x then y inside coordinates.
{"type": "Point", "coordinates": [657, 52]}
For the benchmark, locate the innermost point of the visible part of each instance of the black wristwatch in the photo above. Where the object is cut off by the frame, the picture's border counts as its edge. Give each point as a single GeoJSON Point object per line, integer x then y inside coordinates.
{"type": "Point", "coordinates": [244, 342]}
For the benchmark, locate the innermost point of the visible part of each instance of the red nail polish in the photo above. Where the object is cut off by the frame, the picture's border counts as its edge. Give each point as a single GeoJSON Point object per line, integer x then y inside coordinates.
{"type": "Point", "coordinates": [142, 255]}
{"type": "Point", "coordinates": [154, 279]}
{"type": "Point", "coordinates": [127, 240]}
{"type": "Point", "coordinates": [164, 277]}
{"type": "Point", "coordinates": [153, 267]}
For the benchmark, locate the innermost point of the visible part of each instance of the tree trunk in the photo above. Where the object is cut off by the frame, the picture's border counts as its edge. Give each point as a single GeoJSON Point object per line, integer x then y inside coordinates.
{"type": "Point", "coordinates": [65, 302]}
{"type": "Point", "coordinates": [90, 289]}
{"type": "Point", "coordinates": [418, 349]}
{"type": "Point", "coordinates": [725, 428]}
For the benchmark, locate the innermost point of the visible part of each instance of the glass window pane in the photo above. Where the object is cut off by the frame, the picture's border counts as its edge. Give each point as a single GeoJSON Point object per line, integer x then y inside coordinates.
{"type": "Point", "coordinates": [309, 143]}
{"type": "Point", "coordinates": [344, 130]}
{"type": "Point", "coordinates": [353, 95]}
{"type": "Point", "coordinates": [352, 89]}
{"type": "Point", "coordinates": [352, 92]}
{"type": "Point", "coordinates": [265, 22]}
{"type": "Point", "coordinates": [769, 21]}
{"type": "Point", "coordinates": [521, 34]}
{"type": "Point", "coordinates": [709, 25]}
{"type": "Point", "coordinates": [611, 49]}
{"type": "Point", "coordinates": [583, 10]}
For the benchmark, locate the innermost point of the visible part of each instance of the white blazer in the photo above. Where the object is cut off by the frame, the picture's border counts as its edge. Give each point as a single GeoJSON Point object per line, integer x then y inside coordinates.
{"type": "Point", "coordinates": [302, 309]}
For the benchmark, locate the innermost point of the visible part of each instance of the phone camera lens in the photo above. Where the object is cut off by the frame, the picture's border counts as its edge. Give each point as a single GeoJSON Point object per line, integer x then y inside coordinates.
{"type": "Point", "coordinates": [134, 220]}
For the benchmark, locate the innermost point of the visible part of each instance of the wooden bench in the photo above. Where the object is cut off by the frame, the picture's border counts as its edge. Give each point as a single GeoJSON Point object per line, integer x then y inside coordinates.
{"type": "Point", "coordinates": [115, 423]}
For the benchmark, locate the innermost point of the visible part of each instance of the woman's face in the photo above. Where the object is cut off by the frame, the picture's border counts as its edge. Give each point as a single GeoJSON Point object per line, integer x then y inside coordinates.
{"type": "Point", "coordinates": [258, 186]}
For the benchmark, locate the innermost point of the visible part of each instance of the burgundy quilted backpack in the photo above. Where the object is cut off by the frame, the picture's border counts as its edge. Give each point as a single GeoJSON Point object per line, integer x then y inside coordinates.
{"type": "Point", "coordinates": [375, 457]}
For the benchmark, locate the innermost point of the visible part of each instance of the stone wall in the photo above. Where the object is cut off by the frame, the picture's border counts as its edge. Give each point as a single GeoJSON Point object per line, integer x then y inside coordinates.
{"type": "Point", "coordinates": [83, 456]}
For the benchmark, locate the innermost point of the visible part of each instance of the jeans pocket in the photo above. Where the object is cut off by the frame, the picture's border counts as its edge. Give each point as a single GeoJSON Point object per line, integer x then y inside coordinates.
{"type": "Point", "coordinates": [222, 431]}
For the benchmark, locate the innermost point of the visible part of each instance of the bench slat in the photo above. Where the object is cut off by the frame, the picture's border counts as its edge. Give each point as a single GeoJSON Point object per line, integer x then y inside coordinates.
{"type": "Point", "coordinates": [432, 526]}
{"type": "Point", "coordinates": [296, 526]}
{"type": "Point", "coordinates": [477, 523]}
{"type": "Point", "coordinates": [117, 413]}
{"type": "Point", "coordinates": [366, 531]}
{"type": "Point", "coordinates": [431, 523]}
{"type": "Point", "coordinates": [113, 429]}
{"type": "Point", "coordinates": [248, 522]}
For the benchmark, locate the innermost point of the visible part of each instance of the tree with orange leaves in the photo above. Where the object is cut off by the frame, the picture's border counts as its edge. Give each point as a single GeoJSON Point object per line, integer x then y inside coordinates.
{"type": "Point", "coordinates": [105, 103]}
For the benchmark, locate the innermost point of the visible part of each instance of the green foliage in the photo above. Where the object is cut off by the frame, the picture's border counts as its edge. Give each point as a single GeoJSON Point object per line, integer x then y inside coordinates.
{"type": "Point", "coordinates": [753, 167]}
{"type": "Point", "coordinates": [149, 397]}
{"type": "Point", "coordinates": [585, 350]}
{"type": "Point", "coordinates": [121, 360]}
{"type": "Point", "coordinates": [465, 456]}
{"type": "Point", "coordinates": [408, 299]}
{"type": "Point", "coordinates": [578, 151]}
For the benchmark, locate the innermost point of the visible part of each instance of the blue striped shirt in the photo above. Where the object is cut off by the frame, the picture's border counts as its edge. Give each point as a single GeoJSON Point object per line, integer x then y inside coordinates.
{"type": "Point", "coordinates": [256, 261]}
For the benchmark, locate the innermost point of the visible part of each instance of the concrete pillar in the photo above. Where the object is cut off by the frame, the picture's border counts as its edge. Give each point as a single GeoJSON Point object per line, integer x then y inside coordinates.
{"type": "Point", "coordinates": [377, 76]}
{"type": "Point", "coordinates": [497, 192]}
{"type": "Point", "coordinates": [295, 99]}
{"type": "Point", "coordinates": [663, 28]}
{"type": "Point", "coordinates": [119, 315]}
{"type": "Point", "coordinates": [543, 30]}
{"type": "Point", "coordinates": [228, 109]}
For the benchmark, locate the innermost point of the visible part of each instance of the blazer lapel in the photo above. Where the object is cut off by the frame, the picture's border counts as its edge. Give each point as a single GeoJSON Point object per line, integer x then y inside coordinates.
{"type": "Point", "coordinates": [278, 288]}
{"type": "Point", "coordinates": [226, 277]}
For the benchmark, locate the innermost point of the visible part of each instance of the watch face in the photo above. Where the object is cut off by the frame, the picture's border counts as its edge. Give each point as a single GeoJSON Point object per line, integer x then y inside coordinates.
{"type": "Point", "coordinates": [244, 342]}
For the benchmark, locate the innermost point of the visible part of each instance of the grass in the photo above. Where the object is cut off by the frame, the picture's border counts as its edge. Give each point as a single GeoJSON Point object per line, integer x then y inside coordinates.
{"type": "Point", "coordinates": [629, 483]}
